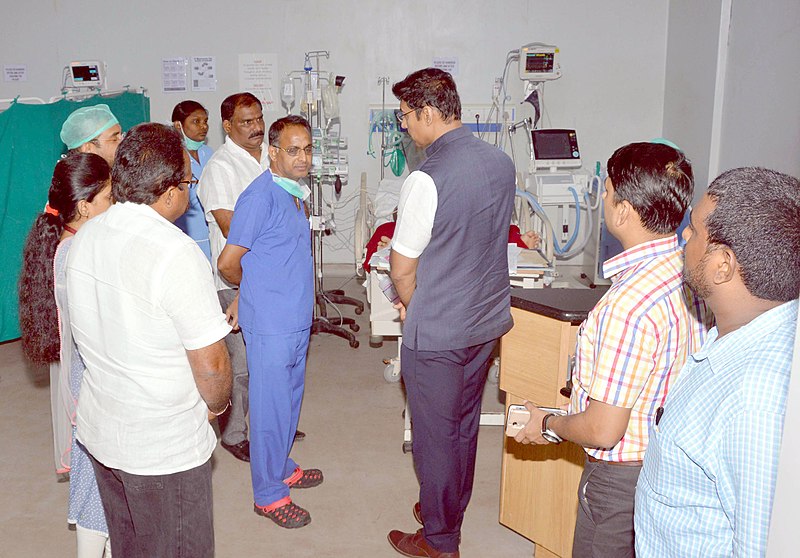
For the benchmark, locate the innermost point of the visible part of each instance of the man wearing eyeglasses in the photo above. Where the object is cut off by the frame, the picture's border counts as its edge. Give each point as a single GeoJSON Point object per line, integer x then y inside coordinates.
{"type": "Point", "coordinates": [147, 322]}
{"type": "Point", "coordinates": [239, 161]}
{"type": "Point", "coordinates": [449, 266]}
{"type": "Point", "coordinates": [268, 254]}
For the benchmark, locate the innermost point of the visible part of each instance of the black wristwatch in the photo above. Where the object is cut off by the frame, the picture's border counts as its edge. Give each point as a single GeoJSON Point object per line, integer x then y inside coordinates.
{"type": "Point", "coordinates": [548, 434]}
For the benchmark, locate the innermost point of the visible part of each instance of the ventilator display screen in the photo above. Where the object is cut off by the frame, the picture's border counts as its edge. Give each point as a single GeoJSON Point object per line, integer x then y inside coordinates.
{"type": "Point", "coordinates": [556, 147]}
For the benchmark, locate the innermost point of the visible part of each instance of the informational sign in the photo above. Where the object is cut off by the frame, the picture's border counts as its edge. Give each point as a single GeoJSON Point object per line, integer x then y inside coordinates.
{"type": "Point", "coordinates": [448, 64]}
{"type": "Point", "coordinates": [174, 74]}
{"type": "Point", "coordinates": [257, 75]}
{"type": "Point", "coordinates": [204, 73]}
{"type": "Point", "coordinates": [17, 72]}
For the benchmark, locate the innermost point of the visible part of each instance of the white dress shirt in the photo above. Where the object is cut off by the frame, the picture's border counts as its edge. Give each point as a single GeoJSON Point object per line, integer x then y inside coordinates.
{"type": "Point", "coordinates": [140, 295]}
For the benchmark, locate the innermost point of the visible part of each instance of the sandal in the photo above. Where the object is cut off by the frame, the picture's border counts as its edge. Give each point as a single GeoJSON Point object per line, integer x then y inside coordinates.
{"type": "Point", "coordinates": [285, 513]}
{"type": "Point", "coordinates": [308, 478]}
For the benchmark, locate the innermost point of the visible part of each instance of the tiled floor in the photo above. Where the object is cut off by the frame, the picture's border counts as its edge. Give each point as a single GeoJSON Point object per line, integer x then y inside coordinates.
{"type": "Point", "coordinates": [355, 431]}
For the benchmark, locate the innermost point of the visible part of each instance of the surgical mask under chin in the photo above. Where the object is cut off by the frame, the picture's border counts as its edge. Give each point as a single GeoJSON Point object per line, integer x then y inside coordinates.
{"type": "Point", "coordinates": [296, 189]}
{"type": "Point", "coordinates": [191, 144]}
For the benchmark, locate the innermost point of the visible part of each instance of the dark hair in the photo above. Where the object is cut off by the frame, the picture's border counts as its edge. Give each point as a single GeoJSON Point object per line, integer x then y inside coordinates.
{"type": "Point", "coordinates": [656, 180]}
{"type": "Point", "coordinates": [231, 103]}
{"type": "Point", "coordinates": [430, 87]}
{"type": "Point", "coordinates": [185, 108]}
{"type": "Point", "coordinates": [282, 123]}
{"type": "Point", "coordinates": [149, 161]}
{"type": "Point", "coordinates": [78, 176]}
{"type": "Point", "coordinates": [757, 216]}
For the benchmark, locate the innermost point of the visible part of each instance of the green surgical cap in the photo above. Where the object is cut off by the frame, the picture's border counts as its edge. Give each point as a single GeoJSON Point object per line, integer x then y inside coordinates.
{"type": "Point", "coordinates": [85, 124]}
{"type": "Point", "coordinates": [665, 141]}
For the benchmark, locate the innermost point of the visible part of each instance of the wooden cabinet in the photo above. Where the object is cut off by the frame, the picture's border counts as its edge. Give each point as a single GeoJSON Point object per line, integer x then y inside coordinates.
{"type": "Point", "coordinates": [538, 491]}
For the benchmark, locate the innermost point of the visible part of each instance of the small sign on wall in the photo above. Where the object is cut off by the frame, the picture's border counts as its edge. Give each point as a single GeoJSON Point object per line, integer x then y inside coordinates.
{"type": "Point", "coordinates": [204, 73]}
{"type": "Point", "coordinates": [447, 63]}
{"type": "Point", "coordinates": [174, 74]}
{"type": "Point", "coordinates": [15, 72]}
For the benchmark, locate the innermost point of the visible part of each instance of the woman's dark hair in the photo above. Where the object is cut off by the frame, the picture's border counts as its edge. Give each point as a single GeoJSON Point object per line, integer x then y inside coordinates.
{"type": "Point", "coordinates": [183, 109]}
{"type": "Point", "coordinates": [79, 176]}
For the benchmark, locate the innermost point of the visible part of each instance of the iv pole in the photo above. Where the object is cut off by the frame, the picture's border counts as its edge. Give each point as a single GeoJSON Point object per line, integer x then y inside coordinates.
{"type": "Point", "coordinates": [321, 323]}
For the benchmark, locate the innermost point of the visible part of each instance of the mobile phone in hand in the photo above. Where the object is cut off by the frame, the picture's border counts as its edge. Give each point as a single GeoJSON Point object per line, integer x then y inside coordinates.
{"type": "Point", "coordinates": [518, 417]}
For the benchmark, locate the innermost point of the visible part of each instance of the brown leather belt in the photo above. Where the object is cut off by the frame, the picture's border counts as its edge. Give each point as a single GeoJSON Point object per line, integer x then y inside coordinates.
{"type": "Point", "coordinates": [618, 463]}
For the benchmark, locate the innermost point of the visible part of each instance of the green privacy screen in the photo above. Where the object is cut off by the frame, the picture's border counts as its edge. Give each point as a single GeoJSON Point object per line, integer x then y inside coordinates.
{"type": "Point", "coordinates": [29, 149]}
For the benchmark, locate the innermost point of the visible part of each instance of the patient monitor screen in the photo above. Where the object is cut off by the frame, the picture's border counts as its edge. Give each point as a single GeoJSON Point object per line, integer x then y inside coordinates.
{"type": "Point", "coordinates": [539, 62]}
{"type": "Point", "coordinates": [88, 74]}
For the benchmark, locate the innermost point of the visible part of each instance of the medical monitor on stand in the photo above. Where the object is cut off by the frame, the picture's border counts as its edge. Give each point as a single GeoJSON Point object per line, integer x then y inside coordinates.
{"type": "Point", "coordinates": [556, 149]}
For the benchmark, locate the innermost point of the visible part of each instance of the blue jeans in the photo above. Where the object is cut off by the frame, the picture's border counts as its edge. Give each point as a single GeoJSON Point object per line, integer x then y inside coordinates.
{"type": "Point", "coordinates": [158, 516]}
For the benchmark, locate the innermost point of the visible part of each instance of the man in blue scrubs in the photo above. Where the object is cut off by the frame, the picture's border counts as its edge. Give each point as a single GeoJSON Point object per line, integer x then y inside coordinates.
{"type": "Point", "coordinates": [268, 253]}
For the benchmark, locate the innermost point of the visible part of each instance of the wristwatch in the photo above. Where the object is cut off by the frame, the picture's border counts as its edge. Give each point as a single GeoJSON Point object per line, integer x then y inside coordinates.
{"type": "Point", "coordinates": [548, 434]}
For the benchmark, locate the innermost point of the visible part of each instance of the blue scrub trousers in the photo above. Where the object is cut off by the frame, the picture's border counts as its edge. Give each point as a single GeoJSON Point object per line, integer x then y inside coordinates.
{"type": "Point", "coordinates": [277, 365]}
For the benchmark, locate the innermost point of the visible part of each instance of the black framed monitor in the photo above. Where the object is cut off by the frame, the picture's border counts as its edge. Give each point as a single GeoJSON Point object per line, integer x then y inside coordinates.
{"type": "Point", "coordinates": [556, 149]}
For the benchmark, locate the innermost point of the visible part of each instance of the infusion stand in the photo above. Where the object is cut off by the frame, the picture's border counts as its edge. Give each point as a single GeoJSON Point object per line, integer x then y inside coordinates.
{"type": "Point", "coordinates": [321, 323]}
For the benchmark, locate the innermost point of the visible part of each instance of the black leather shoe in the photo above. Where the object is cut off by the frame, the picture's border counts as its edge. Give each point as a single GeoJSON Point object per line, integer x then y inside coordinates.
{"type": "Point", "coordinates": [299, 435]}
{"type": "Point", "coordinates": [239, 451]}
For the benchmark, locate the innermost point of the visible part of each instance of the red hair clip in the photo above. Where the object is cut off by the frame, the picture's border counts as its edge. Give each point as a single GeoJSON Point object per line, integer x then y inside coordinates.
{"type": "Point", "coordinates": [50, 210]}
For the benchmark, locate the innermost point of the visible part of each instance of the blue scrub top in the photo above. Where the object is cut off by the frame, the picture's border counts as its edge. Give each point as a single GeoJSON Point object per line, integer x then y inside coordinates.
{"type": "Point", "coordinates": [277, 290]}
{"type": "Point", "coordinates": [193, 222]}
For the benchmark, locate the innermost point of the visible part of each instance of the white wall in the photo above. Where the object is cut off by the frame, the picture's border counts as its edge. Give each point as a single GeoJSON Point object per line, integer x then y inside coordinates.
{"type": "Point", "coordinates": [732, 82]}
{"type": "Point", "coordinates": [761, 106]}
{"type": "Point", "coordinates": [613, 55]}
{"type": "Point", "coordinates": [692, 52]}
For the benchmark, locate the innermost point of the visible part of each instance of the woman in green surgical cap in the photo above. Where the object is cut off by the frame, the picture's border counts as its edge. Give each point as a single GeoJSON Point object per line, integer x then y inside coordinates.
{"type": "Point", "coordinates": [93, 129]}
{"type": "Point", "coordinates": [190, 118]}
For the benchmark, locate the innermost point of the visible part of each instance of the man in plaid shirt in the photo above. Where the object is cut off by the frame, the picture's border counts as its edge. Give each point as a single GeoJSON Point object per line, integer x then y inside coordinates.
{"type": "Point", "coordinates": [631, 346]}
{"type": "Point", "coordinates": [709, 474]}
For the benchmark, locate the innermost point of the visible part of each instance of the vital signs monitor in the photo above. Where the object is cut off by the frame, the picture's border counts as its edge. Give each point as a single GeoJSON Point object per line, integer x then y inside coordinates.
{"type": "Point", "coordinates": [539, 62]}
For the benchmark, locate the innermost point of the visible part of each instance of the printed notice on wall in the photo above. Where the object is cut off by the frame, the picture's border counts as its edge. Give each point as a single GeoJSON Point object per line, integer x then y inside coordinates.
{"type": "Point", "coordinates": [448, 64]}
{"type": "Point", "coordinates": [17, 72]}
{"type": "Point", "coordinates": [257, 75]}
{"type": "Point", "coordinates": [204, 73]}
{"type": "Point", "coordinates": [174, 74]}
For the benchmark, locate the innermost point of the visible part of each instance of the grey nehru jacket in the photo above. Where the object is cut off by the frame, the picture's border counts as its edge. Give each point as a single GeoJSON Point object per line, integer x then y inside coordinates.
{"type": "Point", "coordinates": [462, 294]}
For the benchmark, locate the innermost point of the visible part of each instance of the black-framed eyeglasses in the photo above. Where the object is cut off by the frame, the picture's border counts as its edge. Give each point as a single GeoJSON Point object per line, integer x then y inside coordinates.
{"type": "Point", "coordinates": [400, 115]}
{"type": "Point", "coordinates": [192, 182]}
{"type": "Point", "coordinates": [294, 151]}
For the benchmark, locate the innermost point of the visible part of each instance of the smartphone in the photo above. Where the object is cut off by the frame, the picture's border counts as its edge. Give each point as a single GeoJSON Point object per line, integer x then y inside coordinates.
{"type": "Point", "coordinates": [518, 417]}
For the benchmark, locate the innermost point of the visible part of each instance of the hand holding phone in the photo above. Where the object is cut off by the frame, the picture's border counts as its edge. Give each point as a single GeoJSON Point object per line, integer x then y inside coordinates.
{"type": "Point", "coordinates": [518, 417]}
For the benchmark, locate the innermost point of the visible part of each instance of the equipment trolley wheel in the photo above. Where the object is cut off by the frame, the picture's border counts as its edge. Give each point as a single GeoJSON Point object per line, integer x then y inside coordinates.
{"type": "Point", "coordinates": [407, 447]}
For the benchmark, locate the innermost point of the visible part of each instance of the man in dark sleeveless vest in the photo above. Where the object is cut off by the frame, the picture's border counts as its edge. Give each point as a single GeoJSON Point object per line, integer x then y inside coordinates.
{"type": "Point", "coordinates": [449, 266]}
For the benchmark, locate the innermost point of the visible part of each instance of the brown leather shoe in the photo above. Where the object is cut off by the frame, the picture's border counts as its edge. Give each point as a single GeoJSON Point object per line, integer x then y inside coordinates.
{"type": "Point", "coordinates": [415, 545]}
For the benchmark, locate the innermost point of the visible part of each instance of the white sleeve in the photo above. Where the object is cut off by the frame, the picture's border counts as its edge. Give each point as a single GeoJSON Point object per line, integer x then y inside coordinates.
{"type": "Point", "coordinates": [215, 189]}
{"type": "Point", "coordinates": [415, 213]}
{"type": "Point", "coordinates": [190, 299]}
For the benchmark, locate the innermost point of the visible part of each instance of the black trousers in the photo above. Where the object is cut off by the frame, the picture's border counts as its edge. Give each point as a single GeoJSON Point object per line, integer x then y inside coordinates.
{"type": "Point", "coordinates": [444, 391]}
{"type": "Point", "coordinates": [158, 516]}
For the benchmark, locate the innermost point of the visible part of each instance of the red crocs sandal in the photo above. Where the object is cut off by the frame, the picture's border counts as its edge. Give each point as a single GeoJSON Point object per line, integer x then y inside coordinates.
{"type": "Point", "coordinates": [285, 513]}
{"type": "Point", "coordinates": [308, 478]}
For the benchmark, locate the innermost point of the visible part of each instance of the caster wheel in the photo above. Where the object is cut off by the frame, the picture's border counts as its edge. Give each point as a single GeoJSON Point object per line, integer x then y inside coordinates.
{"type": "Point", "coordinates": [407, 447]}
{"type": "Point", "coordinates": [354, 344]}
{"type": "Point", "coordinates": [376, 344]}
{"type": "Point", "coordinates": [390, 375]}
{"type": "Point", "coordinates": [358, 310]}
{"type": "Point", "coordinates": [354, 327]}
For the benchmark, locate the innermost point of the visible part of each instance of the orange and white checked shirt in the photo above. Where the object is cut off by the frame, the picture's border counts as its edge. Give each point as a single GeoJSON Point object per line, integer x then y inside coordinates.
{"type": "Point", "coordinates": [636, 339]}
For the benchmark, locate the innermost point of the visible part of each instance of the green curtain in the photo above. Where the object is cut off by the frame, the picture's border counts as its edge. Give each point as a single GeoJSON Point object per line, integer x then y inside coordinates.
{"type": "Point", "coordinates": [29, 149]}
